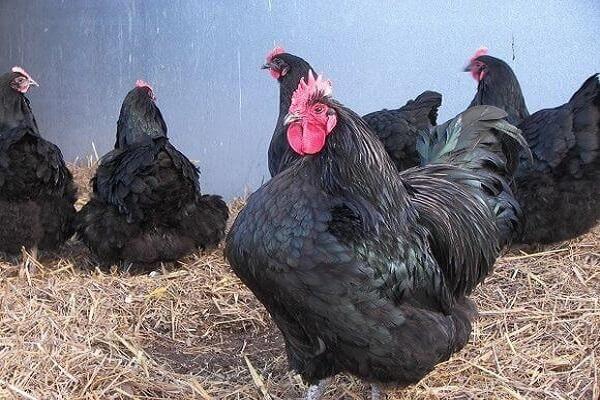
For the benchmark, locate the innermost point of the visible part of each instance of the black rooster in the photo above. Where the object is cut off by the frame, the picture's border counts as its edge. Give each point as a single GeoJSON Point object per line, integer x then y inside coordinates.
{"type": "Point", "coordinates": [146, 205]}
{"type": "Point", "coordinates": [397, 129]}
{"type": "Point", "coordinates": [37, 193]}
{"type": "Point", "coordinates": [366, 270]}
{"type": "Point", "coordinates": [560, 190]}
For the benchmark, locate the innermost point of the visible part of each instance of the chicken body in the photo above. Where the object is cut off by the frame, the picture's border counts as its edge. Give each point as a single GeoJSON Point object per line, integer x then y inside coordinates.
{"type": "Point", "coordinates": [146, 205]}
{"type": "Point", "coordinates": [37, 193]}
{"type": "Point", "coordinates": [365, 270]}
{"type": "Point", "coordinates": [560, 190]}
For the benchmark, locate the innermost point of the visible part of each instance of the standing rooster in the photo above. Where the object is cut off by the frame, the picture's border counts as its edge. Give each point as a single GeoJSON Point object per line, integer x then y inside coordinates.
{"type": "Point", "coordinates": [146, 205]}
{"type": "Point", "coordinates": [37, 193]}
{"type": "Point", "coordinates": [397, 129]}
{"type": "Point", "coordinates": [560, 190]}
{"type": "Point", "coordinates": [365, 270]}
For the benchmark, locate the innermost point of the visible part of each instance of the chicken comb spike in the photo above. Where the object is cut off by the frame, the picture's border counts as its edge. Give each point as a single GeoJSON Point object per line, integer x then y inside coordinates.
{"type": "Point", "coordinates": [21, 71]}
{"type": "Point", "coordinates": [309, 90]}
{"type": "Point", "coordinates": [142, 83]}
{"type": "Point", "coordinates": [481, 51]}
{"type": "Point", "coordinates": [276, 51]}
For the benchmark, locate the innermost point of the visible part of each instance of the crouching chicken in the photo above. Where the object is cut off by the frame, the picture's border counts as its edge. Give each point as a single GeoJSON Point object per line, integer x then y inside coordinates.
{"type": "Point", "coordinates": [560, 190]}
{"type": "Point", "coordinates": [37, 193]}
{"type": "Point", "coordinates": [146, 205]}
{"type": "Point", "coordinates": [397, 128]}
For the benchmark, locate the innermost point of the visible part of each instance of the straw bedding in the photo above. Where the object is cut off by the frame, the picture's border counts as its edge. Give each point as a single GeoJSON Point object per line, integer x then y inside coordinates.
{"type": "Point", "coordinates": [69, 330]}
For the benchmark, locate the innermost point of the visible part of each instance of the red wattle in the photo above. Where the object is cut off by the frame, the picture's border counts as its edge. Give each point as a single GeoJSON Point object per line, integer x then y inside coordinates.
{"type": "Point", "coordinates": [306, 138]}
{"type": "Point", "coordinates": [276, 74]}
{"type": "Point", "coordinates": [294, 136]}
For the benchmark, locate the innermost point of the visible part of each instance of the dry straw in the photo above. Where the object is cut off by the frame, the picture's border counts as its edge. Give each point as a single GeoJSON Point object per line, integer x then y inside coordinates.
{"type": "Point", "coordinates": [193, 331]}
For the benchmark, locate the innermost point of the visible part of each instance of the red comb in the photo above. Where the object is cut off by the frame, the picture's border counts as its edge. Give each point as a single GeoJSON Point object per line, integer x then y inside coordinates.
{"type": "Point", "coordinates": [481, 51]}
{"type": "Point", "coordinates": [310, 89]}
{"type": "Point", "coordinates": [142, 83]}
{"type": "Point", "coordinates": [276, 51]}
{"type": "Point", "coordinates": [21, 71]}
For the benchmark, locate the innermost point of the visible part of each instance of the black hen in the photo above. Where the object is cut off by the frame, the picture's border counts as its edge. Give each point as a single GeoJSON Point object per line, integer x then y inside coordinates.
{"type": "Point", "coordinates": [397, 129]}
{"type": "Point", "coordinates": [37, 193]}
{"type": "Point", "coordinates": [365, 270]}
{"type": "Point", "coordinates": [146, 205]}
{"type": "Point", "coordinates": [560, 190]}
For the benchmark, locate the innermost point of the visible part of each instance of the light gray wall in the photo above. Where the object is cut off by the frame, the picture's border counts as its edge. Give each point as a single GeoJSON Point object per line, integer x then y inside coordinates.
{"type": "Point", "coordinates": [203, 57]}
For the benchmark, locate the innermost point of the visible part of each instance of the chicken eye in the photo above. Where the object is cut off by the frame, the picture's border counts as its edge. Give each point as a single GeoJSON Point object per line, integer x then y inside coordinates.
{"type": "Point", "coordinates": [319, 109]}
{"type": "Point", "coordinates": [279, 63]}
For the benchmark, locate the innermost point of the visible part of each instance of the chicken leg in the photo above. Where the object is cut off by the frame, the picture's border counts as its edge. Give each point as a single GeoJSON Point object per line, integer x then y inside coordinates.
{"type": "Point", "coordinates": [30, 258]}
{"type": "Point", "coordinates": [375, 392]}
{"type": "Point", "coordinates": [315, 392]}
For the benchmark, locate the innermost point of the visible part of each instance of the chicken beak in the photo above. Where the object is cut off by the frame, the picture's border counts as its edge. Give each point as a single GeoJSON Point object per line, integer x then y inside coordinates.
{"type": "Point", "coordinates": [33, 83]}
{"type": "Point", "coordinates": [467, 68]}
{"type": "Point", "coordinates": [291, 117]}
{"type": "Point", "coordinates": [265, 66]}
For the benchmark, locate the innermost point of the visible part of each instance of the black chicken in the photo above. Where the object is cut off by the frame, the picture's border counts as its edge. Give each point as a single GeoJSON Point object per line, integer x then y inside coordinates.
{"type": "Point", "coordinates": [560, 190]}
{"type": "Point", "coordinates": [366, 270]}
{"type": "Point", "coordinates": [37, 193]}
{"type": "Point", "coordinates": [397, 129]}
{"type": "Point", "coordinates": [146, 205]}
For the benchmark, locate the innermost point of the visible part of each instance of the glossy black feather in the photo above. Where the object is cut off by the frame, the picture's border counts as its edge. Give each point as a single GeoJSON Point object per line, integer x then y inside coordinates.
{"type": "Point", "coordinates": [37, 193]}
{"type": "Point", "coordinates": [146, 205]}
{"type": "Point", "coordinates": [397, 129]}
{"type": "Point", "coordinates": [560, 189]}
{"type": "Point", "coordinates": [364, 270]}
